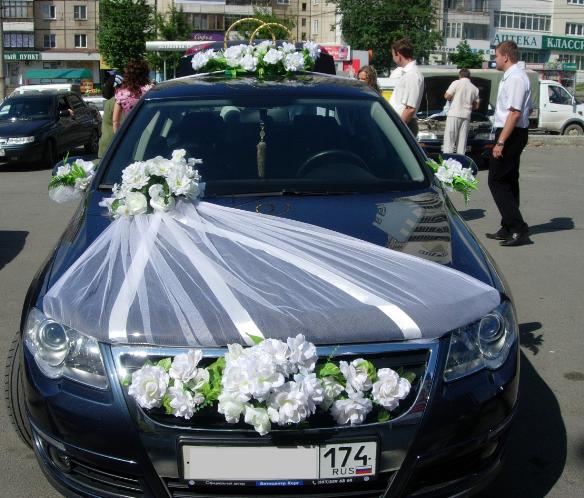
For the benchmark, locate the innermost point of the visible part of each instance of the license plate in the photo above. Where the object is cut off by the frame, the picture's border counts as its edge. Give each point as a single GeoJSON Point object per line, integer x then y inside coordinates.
{"type": "Point", "coordinates": [2, 152]}
{"type": "Point", "coordinates": [273, 463]}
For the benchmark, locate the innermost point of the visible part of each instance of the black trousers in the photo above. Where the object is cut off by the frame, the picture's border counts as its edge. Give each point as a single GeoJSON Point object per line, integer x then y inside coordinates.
{"type": "Point", "coordinates": [504, 180]}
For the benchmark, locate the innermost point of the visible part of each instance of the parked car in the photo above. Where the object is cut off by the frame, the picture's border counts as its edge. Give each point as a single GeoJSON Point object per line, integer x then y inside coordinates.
{"type": "Point", "coordinates": [96, 101]}
{"type": "Point", "coordinates": [43, 126]}
{"type": "Point", "coordinates": [336, 156]}
{"type": "Point", "coordinates": [71, 87]}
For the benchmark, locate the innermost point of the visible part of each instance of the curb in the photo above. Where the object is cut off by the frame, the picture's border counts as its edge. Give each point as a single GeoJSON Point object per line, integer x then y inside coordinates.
{"type": "Point", "coordinates": [539, 140]}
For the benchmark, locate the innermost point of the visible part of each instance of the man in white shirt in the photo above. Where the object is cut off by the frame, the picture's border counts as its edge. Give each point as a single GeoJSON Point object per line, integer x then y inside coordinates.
{"type": "Point", "coordinates": [511, 124]}
{"type": "Point", "coordinates": [464, 98]}
{"type": "Point", "coordinates": [407, 95]}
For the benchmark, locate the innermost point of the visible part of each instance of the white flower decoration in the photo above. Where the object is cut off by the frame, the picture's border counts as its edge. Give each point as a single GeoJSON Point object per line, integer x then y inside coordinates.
{"type": "Point", "coordinates": [273, 56]}
{"type": "Point", "coordinates": [390, 388]}
{"type": "Point", "coordinates": [289, 405]}
{"type": "Point", "coordinates": [294, 61]}
{"type": "Point", "coordinates": [184, 365]}
{"type": "Point", "coordinates": [313, 49]}
{"type": "Point", "coordinates": [183, 402]}
{"type": "Point", "coordinates": [135, 176]}
{"type": "Point", "coordinates": [249, 62]}
{"type": "Point", "coordinates": [234, 54]}
{"type": "Point", "coordinates": [302, 353]}
{"type": "Point", "coordinates": [288, 47]}
{"type": "Point", "coordinates": [356, 375]}
{"type": "Point", "coordinates": [231, 406]}
{"type": "Point", "coordinates": [149, 385]}
{"type": "Point", "coordinates": [200, 59]}
{"type": "Point", "coordinates": [353, 410]}
{"type": "Point", "coordinates": [258, 417]}
{"type": "Point", "coordinates": [332, 389]}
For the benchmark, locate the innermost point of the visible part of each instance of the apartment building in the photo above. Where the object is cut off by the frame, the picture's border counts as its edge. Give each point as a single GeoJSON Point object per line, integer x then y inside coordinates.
{"type": "Point", "coordinates": [316, 20]}
{"type": "Point", "coordinates": [51, 34]}
{"type": "Point", "coordinates": [465, 19]}
{"type": "Point", "coordinates": [567, 41]}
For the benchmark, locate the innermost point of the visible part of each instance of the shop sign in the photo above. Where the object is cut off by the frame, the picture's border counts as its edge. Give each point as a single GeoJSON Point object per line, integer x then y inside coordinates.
{"type": "Point", "coordinates": [207, 36]}
{"type": "Point", "coordinates": [563, 43]}
{"type": "Point", "coordinates": [522, 40]}
{"type": "Point", "coordinates": [338, 52]}
{"type": "Point", "coordinates": [22, 56]}
{"type": "Point", "coordinates": [86, 86]}
{"type": "Point", "coordinates": [569, 66]}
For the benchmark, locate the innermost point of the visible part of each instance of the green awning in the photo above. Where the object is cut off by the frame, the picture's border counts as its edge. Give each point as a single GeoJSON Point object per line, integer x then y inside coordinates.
{"type": "Point", "coordinates": [58, 74]}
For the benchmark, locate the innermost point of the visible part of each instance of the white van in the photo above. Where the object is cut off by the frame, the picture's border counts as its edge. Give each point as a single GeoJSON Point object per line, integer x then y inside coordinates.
{"type": "Point", "coordinates": [72, 87]}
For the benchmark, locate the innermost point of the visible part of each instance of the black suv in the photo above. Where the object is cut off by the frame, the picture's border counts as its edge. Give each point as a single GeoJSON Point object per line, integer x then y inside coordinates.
{"type": "Point", "coordinates": [42, 126]}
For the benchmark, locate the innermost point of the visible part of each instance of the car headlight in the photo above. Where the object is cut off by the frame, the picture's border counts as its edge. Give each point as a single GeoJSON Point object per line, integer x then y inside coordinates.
{"type": "Point", "coordinates": [485, 136]}
{"type": "Point", "coordinates": [19, 140]}
{"type": "Point", "coordinates": [483, 344]}
{"type": "Point", "coordinates": [427, 135]}
{"type": "Point", "coordinates": [60, 351]}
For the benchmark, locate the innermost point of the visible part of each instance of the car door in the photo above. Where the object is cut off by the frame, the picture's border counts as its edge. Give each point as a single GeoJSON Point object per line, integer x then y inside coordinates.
{"type": "Point", "coordinates": [83, 120]}
{"type": "Point", "coordinates": [558, 107]}
{"type": "Point", "coordinates": [66, 129]}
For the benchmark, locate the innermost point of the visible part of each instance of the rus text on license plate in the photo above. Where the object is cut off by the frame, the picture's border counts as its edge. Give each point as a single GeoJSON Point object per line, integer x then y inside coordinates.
{"type": "Point", "coordinates": [280, 463]}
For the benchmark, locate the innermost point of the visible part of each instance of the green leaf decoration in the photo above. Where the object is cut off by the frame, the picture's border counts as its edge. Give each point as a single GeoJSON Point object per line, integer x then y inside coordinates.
{"type": "Point", "coordinates": [370, 368]}
{"type": "Point", "coordinates": [166, 404]}
{"type": "Point", "coordinates": [165, 364]}
{"type": "Point", "coordinates": [256, 339]}
{"type": "Point", "coordinates": [329, 369]}
{"type": "Point", "coordinates": [383, 415]}
{"type": "Point", "coordinates": [409, 376]}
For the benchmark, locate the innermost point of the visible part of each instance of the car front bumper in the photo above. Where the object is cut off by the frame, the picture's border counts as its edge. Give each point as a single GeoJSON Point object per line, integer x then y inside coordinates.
{"type": "Point", "coordinates": [93, 443]}
{"type": "Point", "coordinates": [21, 153]}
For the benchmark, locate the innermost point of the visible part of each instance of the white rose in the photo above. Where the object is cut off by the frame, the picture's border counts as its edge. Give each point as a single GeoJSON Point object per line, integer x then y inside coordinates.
{"type": "Point", "coordinates": [353, 410]}
{"type": "Point", "coordinates": [294, 61]}
{"type": "Point", "coordinates": [273, 56]}
{"type": "Point", "coordinates": [312, 388]}
{"type": "Point", "coordinates": [83, 183]}
{"type": "Point", "coordinates": [86, 166]}
{"type": "Point", "coordinates": [135, 176]}
{"type": "Point", "coordinates": [356, 375]}
{"type": "Point", "coordinates": [178, 154]}
{"type": "Point", "coordinates": [200, 59]}
{"type": "Point", "coordinates": [184, 365]}
{"type": "Point", "coordinates": [288, 47]}
{"type": "Point", "coordinates": [233, 54]}
{"type": "Point", "coordinates": [63, 170]}
{"type": "Point", "coordinates": [231, 407]}
{"type": "Point", "coordinates": [290, 403]}
{"type": "Point", "coordinates": [149, 384]}
{"type": "Point", "coordinates": [302, 353]}
{"type": "Point", "coordinates": [263, 375]}
{"type": "Point", "coordinates": [279, 352]}
{"type": "Point", "coordinates": [258, 417]}
{"type": "Point", "coordinates": [313, 49]}
{"type": "Point", "coordinates": [249, 62]}
{"type": "Point", "coordinates": [332, 389]}
{"type": "Point", "coordinates": [182, 402]}
{"type": "Point", "coordinates": [136, 203]}
{"type": "Point", "coordinates": [390, 388]}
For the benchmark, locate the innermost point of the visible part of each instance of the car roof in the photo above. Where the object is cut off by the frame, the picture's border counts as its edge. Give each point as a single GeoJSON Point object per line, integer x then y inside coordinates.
{"type": "Point", "coordinates": [298, 85]}
{"type": "Point", "coordinates": [41, 95]}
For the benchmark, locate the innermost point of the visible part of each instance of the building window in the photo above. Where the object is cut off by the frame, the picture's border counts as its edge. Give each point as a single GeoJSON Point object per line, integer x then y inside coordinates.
{"type": "Point", "coordinates": [303, 22]}
{"type": "Point", "coordinates": [18, 40]}
{"type": "Point", "coordinates": [315, 26]}
{"type": "Point", "coordinates": [472, 31]}
{"type": "Point", "coordinates": [530, 56]}
{"type": "Point", "coordinates": [574, 29]}
{"type": "Point", "coordinates": [303, 36]}
{"type": "Point", "coordinates": [49, 11]}
{"type": "Point", "coordinates": [517, 20]}
{"type": "Point", "coordinates": [17, 10]}
{"type": "Point", "coordinates": [453, 30]}
{"type": "Point", "coordinates": [49, 41]}
{"type": "Point", "coordinates": [576, 2]}
{"type": "Point", "coordinates": [80, 12]}
{"type": "Point", "coordinates": [315, 2]}
{"type": "Point", "coordinates": [283, 2]}
{"type": "Point", "coordinates": [211, 22]}
{"type": "Point", "coordinates": [80, 41]}
{"type": "Point", "coordinates": [303, 7]}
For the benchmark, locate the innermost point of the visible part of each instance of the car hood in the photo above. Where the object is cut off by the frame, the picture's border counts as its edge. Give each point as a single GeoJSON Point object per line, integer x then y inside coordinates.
{"type": "Point", "coordinates": [421, 223]}
{"type": "Point", "coordinates": [435, 87]}
{"type": "Point", "coordinates": [22, 127]}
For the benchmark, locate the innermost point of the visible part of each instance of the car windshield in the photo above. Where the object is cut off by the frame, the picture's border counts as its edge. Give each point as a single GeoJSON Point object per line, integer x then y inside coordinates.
{"type": "Point", "coordinates": [284, 144]}
{"type": "Point", "coordinates": [13, 109]}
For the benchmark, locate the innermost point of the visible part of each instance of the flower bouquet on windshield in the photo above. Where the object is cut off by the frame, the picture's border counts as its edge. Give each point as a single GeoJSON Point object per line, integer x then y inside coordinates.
{"type": "Point", "coordinates": [453, 176]}
{"type": "Point", "coordinates": [71, 180]}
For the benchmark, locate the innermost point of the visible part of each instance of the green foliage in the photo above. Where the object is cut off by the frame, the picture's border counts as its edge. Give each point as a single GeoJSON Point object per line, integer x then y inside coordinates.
{"type": "Point", "coordinates": [212, 389]}
{"type": "Point", "coordinates": [256, 339]}
{"type": "Point", "coordinates": [165, 364]}
{"type": "Point", "coordinates": [465, 58]}
{"type": "Point", "coordinates": [383, 415]}
{"type": "Point", "coordinates": [246, 29]}
{"type": "Point", "coordinates": [172, 26]}
{"type": "Point", "coordinates": [124, 27]}
{"type": "Point", "coordinates": [376, 24]}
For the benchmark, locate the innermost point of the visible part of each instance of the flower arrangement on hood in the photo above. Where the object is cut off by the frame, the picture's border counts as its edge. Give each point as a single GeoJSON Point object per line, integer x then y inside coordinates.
{"type": "Point", "coordinates": [71, 180]}
{"type": "Point", "coordinates": [272, 382]}
{"type": "Point", "coordinates": [154, 185]}
{"type": "Point", "coordinates": [454, 177]}
{"type": "Point", "coordinates": [262, 59]}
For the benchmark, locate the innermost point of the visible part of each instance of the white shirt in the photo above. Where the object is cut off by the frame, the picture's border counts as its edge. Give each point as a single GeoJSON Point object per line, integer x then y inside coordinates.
{"type": "Point", "coordinates": [514, 92]}
{"type": "Point", "coordinates": [408, 89]}
{"type": "Point", "coordinates": [464, 94]}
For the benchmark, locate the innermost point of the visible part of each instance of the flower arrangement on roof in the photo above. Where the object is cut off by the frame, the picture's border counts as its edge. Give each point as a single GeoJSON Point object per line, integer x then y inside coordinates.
{"type": "Point", "coordinates": [263, 59]}
{"type": "Point", "coordinates": [154, 185]}
{"type": "Point", "coordinates": [454, 177]}
{"type": "Point", "coordinates": [71, 180]}
{"type": "Point", "coordinates": [272, 382]}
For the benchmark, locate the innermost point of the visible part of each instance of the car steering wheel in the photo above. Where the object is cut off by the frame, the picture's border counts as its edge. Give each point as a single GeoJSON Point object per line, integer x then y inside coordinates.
{"type": "Point", "coordinates": [313, 161]}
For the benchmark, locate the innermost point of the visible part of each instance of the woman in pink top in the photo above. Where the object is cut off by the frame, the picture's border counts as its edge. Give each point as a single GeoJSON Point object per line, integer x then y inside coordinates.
{"type": "Point", "coordinates": [136, 83]}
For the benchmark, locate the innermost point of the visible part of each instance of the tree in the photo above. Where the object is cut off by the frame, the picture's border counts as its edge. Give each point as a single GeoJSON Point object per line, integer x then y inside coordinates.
{"type": "Point", "coordinates": [246, 29]}
{"type": "Point", "coordinates": [376, 24]}
{"type": "Point", "coordinates": [172, 26]}
{"type": "Point", "coordinates": [464, 57]}
{"type": "Point", "coordinates": [124, 27]}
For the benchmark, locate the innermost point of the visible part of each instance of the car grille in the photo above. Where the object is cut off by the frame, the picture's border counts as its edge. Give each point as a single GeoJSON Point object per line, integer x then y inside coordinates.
{"type": "Point", "coordinates": [400, 359]}
{"type": "Point", "coordinates": [373, 489]}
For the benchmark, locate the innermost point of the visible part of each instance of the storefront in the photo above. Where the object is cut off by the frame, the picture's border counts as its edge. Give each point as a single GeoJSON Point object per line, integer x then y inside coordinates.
{"type": "Point", "coordinates": [566, 50]}
{"type": "Point", "coordinates": [530, 45]}
{"type": "Point", "coordinates": [15, 63]}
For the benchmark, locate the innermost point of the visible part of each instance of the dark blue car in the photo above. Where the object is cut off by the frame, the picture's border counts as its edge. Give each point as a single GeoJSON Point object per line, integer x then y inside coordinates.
{"type": "Point", "coordinates": [334, 155]}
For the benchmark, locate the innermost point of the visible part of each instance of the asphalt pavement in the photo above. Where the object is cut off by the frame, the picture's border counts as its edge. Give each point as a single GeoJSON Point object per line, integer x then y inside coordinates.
{"type": "Point", "coordinates": [546, 451]}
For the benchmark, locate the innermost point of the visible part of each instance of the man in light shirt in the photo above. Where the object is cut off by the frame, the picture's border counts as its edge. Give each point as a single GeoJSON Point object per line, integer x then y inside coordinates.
{"type": "Point", "coordinates": [407, 95]}
{"type": "Point", "coordinates": [511, 124]}
{"type": "Point", "coordinates": [464, 98]}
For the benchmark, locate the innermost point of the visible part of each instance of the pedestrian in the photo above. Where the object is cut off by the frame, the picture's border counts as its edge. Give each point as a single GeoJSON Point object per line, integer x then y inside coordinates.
{"type": "Point", "coordinates": [407, 95]}
{"type": "Point", "coordinates": [113, 81]}
{"type": "Point", "coordinates": [136, 83]}
{"type": "Point", "coordinates": [511, 124]}
{"type": "Point", "coordinates": [464, 98]}
{"type": "Point", "coordinates": [368, 74]}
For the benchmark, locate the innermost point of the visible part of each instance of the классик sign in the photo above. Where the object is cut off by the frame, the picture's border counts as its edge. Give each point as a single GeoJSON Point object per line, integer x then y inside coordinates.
{"type": "Point", "coordinates": [563, 43]}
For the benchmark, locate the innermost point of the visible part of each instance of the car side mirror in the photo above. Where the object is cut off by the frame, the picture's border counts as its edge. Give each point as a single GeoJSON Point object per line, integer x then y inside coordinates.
{"type": "Point", "coordinates": [466, 162]}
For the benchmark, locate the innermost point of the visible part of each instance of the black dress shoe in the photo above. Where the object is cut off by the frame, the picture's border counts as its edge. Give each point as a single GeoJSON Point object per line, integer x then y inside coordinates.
{"type": "Point", "coordinates": [501, 234]}
{"type": "Point", "coordinates": [516, 239]}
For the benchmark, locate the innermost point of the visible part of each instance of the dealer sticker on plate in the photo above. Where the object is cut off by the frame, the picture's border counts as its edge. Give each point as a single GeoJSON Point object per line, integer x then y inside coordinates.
{"type": "Point", "coordinates": [265, 464]}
